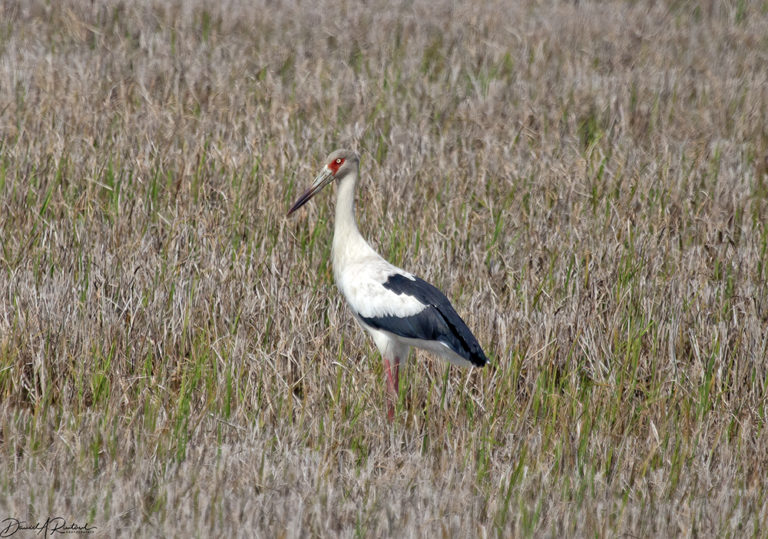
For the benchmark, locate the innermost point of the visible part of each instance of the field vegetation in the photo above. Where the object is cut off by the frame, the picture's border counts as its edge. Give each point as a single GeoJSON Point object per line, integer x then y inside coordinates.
{"type": "Point", "coordinates": [587, 181]}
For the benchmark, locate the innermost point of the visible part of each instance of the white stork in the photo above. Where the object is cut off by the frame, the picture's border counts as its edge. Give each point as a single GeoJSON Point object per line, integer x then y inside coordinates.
{"type": "Point", "coordinates": [398, 309]}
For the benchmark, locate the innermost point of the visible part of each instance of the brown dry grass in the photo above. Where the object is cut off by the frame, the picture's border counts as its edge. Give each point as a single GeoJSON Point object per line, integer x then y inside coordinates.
{"type": "Point", "coordinates": [586, 182]}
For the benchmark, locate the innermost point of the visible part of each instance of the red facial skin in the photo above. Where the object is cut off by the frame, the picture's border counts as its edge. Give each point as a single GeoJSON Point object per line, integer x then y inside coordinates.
{"type": "Point", "coordinates": [335, 164]}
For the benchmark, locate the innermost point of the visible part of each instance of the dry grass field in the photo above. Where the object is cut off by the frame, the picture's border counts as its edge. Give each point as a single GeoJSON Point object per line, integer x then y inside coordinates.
{"type": "Point", "coordinates": [586, 181]}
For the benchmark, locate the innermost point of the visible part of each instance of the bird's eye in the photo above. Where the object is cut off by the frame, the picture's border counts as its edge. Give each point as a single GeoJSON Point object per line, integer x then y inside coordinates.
{"type": "Point", "coordinates": [335, 165]}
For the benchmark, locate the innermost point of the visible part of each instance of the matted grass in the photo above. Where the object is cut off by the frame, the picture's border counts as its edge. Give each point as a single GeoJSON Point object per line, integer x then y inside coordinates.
{"type": "Point", "coordinates": [586, 182]}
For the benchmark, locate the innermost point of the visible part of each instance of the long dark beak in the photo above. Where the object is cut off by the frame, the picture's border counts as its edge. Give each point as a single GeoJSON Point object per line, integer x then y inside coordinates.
{"type": "Point", "coordinates": [324, 178]}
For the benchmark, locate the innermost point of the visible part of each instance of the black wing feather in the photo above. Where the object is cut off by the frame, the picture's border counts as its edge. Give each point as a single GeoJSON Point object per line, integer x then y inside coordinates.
{"type": "Point", "coordinates": [437, 322]}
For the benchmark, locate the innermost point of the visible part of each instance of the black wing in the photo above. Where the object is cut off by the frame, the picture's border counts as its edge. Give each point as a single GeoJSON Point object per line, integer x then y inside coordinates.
{"type": "Point", "coordinates": [437, 322]}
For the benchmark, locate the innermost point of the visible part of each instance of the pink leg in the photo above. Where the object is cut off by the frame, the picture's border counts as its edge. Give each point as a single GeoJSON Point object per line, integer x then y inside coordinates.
{"type": "Point", "coordinates": [392, 373]}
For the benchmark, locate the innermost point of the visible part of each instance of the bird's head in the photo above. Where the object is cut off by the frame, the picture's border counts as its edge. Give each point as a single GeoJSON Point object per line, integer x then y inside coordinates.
{"type": "Point", "coordinates": [338, 165]}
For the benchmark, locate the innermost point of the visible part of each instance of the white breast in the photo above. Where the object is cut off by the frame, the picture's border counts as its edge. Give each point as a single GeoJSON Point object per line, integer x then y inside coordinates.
{"type": "Point", "coordinates": [361, 282]}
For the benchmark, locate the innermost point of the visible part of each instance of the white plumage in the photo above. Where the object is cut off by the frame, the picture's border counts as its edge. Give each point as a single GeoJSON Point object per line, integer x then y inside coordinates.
{"type": "Point", "coordinates": [396, 308]}
{"type": "Point", "coordinates": [361, 284]}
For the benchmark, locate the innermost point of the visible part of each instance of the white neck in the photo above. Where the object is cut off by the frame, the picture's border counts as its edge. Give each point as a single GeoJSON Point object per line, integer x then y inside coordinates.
{"type": "Point", "coordinates": [348, 244]}
{"type": "Point", "coordinates": [345, 224]}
